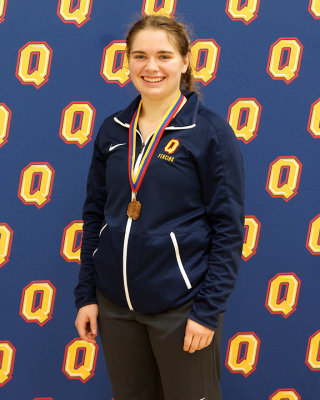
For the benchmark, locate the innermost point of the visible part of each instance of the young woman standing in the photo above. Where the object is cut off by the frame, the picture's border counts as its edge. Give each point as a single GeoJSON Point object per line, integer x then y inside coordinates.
{"type": "Point", "coordinates": [163, 228]}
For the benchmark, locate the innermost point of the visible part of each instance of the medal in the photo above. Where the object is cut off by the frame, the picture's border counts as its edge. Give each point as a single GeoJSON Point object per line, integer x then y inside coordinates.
{"type": "Point", "coordinates": [134, 208]}
{"type": "Point", "coordinates": [136, 177]}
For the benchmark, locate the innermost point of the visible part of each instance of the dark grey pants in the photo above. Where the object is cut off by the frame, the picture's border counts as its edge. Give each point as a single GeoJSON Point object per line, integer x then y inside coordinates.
{"type": "Point", "coordinates": [145, 359]}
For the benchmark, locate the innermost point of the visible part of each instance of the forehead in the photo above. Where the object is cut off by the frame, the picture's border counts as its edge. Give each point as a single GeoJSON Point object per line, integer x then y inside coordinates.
{"type": "Point", "coordinates": [152, 40]}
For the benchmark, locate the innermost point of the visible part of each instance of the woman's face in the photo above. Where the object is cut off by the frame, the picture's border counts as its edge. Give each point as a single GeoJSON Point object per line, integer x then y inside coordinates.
{"type": "Point", "coordinates": [156, 65]}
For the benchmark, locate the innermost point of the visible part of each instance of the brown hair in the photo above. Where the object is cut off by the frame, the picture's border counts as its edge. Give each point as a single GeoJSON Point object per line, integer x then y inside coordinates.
{"type": "Point", "coordinates": [177, 34]}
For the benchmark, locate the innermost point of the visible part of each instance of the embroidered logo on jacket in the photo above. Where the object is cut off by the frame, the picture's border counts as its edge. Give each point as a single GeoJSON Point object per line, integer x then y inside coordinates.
{"type": "Point", "coordinates": [112, 147]}
{"type": "Point", "coordinates": [172, 146]}
{"type": "Point", "coordinates": [165, 157]}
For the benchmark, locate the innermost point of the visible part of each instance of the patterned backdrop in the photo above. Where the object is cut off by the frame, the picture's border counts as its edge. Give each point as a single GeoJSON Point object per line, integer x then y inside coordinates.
{"type": "Point", "coordinates": [63, 71]}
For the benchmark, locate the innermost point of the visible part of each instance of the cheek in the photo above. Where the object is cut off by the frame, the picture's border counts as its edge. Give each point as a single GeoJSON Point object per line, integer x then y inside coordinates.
{"type": "Point", "coordinates": [133, 69]}
{"type": "Point", "coordinates": [133, 64]}
{"type": "Point", "coordinates": [179, 68]}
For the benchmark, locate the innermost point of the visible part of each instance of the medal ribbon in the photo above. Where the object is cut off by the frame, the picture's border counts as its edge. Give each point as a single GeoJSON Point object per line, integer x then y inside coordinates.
{"type": "Point", "coordinates": [136, 178]}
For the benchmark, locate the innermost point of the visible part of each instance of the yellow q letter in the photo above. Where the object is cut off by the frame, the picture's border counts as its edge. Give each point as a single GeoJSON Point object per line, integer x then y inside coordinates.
{"type": "Point", "coordinates": [172, 146]}
{"type": "Point", "coordinates": [7, 354]}
{"type": "Point", "coordinates": [285, 394]}
{"type": "Point", "coordinates": [73, 131]}
{"type": "Point", "coordinates": [244, 118]}
{"type": "Point", "coordinates": [112, 69]}
{"type": "Point", "coordinates": [204, 60]}
{"type": "Point", "coordinates": [166, 7]}
{"type": "Point", "coordinates": [314, 119]}
{"type": "Point", "coordinates": [78, 15]}
{"type": "Point", "coordinates": [284, 186]}
{"type": "Point", "coordinates": [313, 238]}
{"type": "Point", "coordinates": [80, 360]}
{"type": "Point", "coordinates": [37, 302]}
{"type": "Point", "coordinates": [70, 251]}
{"type": "Point", "coordinates": [3, 6]}
{"type": "Point", "coordinates": [314, 8]}
{"type": "Point", "coordinates": [33, 65]}
{"type": "Point", "coordinates": [313, 351]}
{"type": "Point", "coordinates": [39, 193]}
{"type": "Point", "coordinates": [6, 234]}
{"type": "Point", "coordinates": [246, 13]}
{"type": "Point", "coordinates": [242, 353]}
{"type": "Point", "coordinates": [282, 294]}
{"type": "Point", "coordinates": [5, 117]}
{"type": "Point", "coordinates": [284, 59]}
{"type": "Point", "coordinates": [250, 244]}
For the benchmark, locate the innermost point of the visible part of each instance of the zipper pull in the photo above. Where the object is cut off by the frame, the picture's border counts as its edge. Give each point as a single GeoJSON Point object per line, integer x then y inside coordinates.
{"type": "Point", "coordinates": [141, 147]}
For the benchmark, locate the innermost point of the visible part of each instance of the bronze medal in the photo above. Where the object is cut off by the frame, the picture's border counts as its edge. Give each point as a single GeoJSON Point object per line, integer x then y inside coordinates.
{"type": "Point", "coordinates": [133, 210]}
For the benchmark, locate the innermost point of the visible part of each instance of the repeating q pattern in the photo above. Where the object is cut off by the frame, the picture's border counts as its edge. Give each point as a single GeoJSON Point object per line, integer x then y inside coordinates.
{"type": "Point", "coordinates": [63, 70]}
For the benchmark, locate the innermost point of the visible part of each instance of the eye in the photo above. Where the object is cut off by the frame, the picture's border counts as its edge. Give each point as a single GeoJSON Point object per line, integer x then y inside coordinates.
{"type": "Point", "coordinates": [139, 57]}
{"type": "Point", "coordinates": [164, 57]}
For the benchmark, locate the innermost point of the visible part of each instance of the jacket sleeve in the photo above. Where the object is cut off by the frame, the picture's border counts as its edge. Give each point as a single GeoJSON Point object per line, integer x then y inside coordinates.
{"type": "Point", "coordinates": [93, 216]}
{"type": "Point", "coordinates": [220, 169]}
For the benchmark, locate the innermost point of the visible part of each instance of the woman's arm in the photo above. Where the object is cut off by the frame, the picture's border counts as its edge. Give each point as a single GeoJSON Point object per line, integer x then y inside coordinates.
{"type": "Point", "coordinates": [93, 216]}
{"type": "Point", "coordinates": [220, 170]}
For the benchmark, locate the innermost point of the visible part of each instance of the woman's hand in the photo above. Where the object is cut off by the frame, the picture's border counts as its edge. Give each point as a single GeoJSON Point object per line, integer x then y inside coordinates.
{"type": "Point", "coordinates": [196, 336]}
{"type": "Point", "coordinates": [86, 322]}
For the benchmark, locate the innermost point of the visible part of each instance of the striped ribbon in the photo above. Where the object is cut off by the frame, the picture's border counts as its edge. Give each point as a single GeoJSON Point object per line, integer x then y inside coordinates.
{"type": "Point", "coordinates": [136, 178]}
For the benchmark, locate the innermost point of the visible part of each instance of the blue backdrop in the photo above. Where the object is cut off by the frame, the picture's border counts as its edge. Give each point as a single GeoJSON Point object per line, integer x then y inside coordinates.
{"type": "Point", "coordinates": [62, 72]}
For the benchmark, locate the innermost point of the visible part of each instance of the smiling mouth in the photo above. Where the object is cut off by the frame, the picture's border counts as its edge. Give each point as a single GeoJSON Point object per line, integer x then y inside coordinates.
{"type": "Point", "coordinates": [152, 80]}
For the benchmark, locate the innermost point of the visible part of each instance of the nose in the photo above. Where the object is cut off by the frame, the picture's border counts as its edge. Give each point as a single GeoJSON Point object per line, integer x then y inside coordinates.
{"type": "Point", "coordinates": [152, 64]}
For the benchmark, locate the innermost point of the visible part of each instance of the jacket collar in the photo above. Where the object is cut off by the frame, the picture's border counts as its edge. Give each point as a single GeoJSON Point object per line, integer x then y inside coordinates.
{"type": "Point", "coordinates": [185, 119]}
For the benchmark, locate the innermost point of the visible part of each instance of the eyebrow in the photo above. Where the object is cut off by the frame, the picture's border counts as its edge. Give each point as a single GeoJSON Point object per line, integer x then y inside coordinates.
{"type": "Point", "coordinates": [159, 52]}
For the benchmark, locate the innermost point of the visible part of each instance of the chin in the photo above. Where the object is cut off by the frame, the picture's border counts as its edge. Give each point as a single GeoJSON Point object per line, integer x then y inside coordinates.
{"type": "Point", "coordinates": [154, 94]}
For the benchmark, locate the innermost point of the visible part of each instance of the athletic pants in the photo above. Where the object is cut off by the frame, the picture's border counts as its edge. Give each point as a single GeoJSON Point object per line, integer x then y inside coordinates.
{"type": "Point", "coordinates": [145, 358]}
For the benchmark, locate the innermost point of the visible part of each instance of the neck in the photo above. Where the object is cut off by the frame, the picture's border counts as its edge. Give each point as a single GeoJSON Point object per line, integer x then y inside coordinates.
{"type": "Point", "coordinates": [153, 110]}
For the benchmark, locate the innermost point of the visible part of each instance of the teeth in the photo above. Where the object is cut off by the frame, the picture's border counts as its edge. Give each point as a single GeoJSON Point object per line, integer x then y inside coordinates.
{"type": "Point", "coordinates": [152, 79]}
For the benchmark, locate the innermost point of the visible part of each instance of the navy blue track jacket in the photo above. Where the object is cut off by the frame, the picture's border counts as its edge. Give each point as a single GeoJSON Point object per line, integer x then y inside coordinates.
{"type": "Point", "coordinates": [187, 242]}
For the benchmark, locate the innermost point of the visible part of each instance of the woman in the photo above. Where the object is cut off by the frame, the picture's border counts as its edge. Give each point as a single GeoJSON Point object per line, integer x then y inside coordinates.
{"type": "Point", "coordinates": [163, 229]}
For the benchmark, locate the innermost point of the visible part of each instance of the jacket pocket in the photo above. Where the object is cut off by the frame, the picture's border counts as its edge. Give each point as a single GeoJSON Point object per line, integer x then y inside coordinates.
{"type": "Point", "coordinates": [108, 265]}
{"type": "Point", "coordinates": [177, 252]}
{"type": "Point", "coordinates": [102, 229]}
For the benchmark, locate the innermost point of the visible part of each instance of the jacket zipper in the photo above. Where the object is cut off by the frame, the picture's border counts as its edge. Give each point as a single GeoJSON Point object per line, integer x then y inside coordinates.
{"type": "Point", "coordinates": [127, 231]}
{"type": "Point", "coordinates": [182, 270]}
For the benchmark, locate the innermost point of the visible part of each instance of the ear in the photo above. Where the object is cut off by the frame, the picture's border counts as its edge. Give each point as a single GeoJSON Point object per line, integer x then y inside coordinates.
{"type": "Point", "coordinates": [186, 62]}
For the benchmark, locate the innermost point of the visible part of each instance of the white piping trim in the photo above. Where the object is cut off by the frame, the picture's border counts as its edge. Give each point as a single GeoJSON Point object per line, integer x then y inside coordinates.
{"type": "Point", "coordinates": [182, 270]}
{"type": "Point", "coordinates": [124, 262]}
{"type": "Point", "coordinates": [167, 128]}
{"type": "Point", "coordinates": [180, 127]}
{"type": "Point", "coordinates": [121, 123]}
{"type": "Point", "coordinates": [99, 236]}
{"type": "Point", "coordinates": [126, 238]}
{"type": "Point", "coordinates": [103, 228]}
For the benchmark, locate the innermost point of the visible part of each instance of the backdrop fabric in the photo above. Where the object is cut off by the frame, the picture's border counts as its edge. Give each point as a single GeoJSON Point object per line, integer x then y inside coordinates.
{"type": "Point", "coordinates": [63, 71]}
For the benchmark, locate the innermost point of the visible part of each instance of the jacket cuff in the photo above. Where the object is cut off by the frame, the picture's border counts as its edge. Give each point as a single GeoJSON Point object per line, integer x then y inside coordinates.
{"type": "Point", "coordinates": [85, 294]}
{"type": "Point", "coordinates": [85, 302]}
{"type": "Point", "coordinates": [204, 317]}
